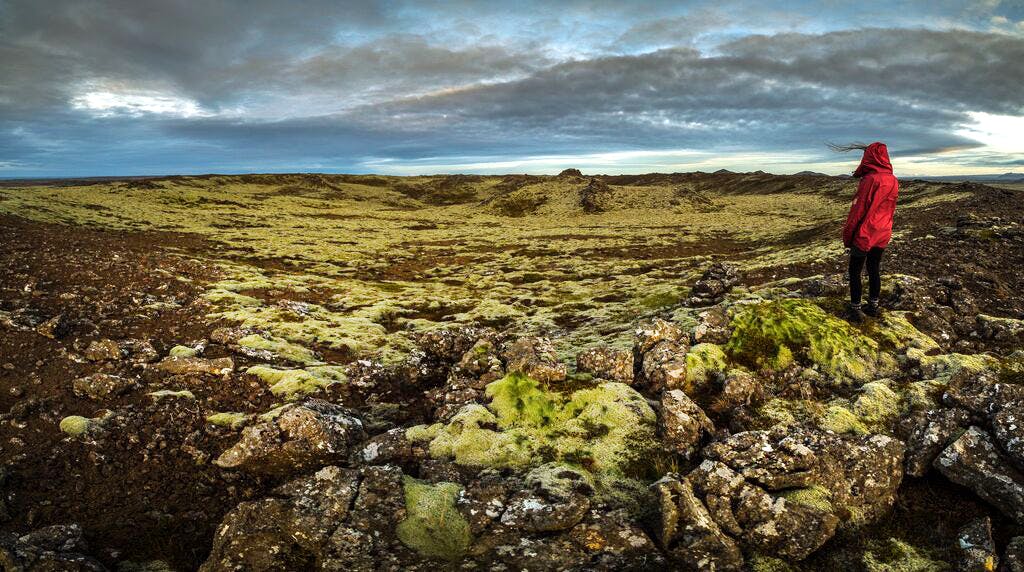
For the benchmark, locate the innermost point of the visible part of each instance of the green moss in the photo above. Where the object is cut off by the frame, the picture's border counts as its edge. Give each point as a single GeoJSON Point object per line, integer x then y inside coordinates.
{"type": "Point", "coordinates": [816, 497]}
{"type": "Point", "coordinates": [1011, 369]}
{"type": "Point", "coordinates": [702, 361]}
{"type": "Point", "coordinates": [183, 394]}
{"type": "Point", "coordinates": [608, 428]}
{"type": "Point", "coordinates": [947, 365]}
{"type": "Point", "coordinates": [877, 404]}
{"type": "Point", "coordinates": [228, 419]}
{"type": "Point", "coordinates": [433, 526]}
{"type": "Point", "coordinates": [279, 347]}
{"type": "Point", "coordinates": [768, 334]}
{"type": "Point", "coordinates": [183, 351]}
{"type": "Point", "coordinates": [75, 425]}
{"type": "Point", "coordinates": [788, 412]}
{"type": "Point", "coordinates": [761, 563]}
{"type": "Point", "coordinates": [894, 331]}
{"type": "Point", "coordinates": [292, 384]}
{"type": "Point", "coordinates": [894, 555]}
{"type": "Point", "coordinates": [519, 401]}
{"type": "Point", "coordinates": [660, 300]}
{"type": "Point", "coordinates": [839, 419]}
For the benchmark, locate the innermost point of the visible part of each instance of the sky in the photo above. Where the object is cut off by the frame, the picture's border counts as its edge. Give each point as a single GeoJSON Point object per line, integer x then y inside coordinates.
{"type": "Point", "coordinates": [151, 87]}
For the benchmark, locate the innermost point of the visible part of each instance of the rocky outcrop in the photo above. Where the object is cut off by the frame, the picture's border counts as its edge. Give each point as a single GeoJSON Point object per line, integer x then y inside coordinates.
{"type": "Point", "coordinates": [300, 436]}
{"type": "Point", "coordinates": [975, 462]}
{"type": "Point", "coordinates": [714, 284]}
{"type": "Point", "coordinates": [660, 349]}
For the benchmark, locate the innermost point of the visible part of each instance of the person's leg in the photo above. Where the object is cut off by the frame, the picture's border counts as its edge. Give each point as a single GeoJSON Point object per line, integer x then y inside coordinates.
{"type": "Point", "coordinates": [874, 263]}
{"type": "Point", "coordinates": [856, 264]}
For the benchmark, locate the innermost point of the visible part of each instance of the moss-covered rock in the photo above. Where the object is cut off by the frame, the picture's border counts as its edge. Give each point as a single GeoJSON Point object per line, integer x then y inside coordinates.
{"type": "Point", "coordinates": [433, 526]}
{"type": "Point", "coordinates": [702, 361]}
{"type": "Point", "coordinates": [894, 555]}
{"type": "Point", "coordinates": [770, 334]}
{"type": "Point", "coordinates": [292, 384]}
{"type": "Point", "coordinates": [606, 428]}
{"type": "Point", "coordinates": [76, 425]}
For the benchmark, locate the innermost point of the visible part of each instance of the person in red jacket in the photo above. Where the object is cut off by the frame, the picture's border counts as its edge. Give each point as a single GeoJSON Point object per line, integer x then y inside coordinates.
{"type": "Point", "coordinates": [869, 225]}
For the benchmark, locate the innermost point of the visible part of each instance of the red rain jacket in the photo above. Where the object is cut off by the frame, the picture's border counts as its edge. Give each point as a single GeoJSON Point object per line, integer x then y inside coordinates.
{"type": "Point", "coordinates": [869, 223]}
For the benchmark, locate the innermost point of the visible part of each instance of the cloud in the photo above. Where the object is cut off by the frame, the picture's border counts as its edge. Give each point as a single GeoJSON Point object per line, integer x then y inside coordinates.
{"type": "Point", "coordinates": [171, 86]}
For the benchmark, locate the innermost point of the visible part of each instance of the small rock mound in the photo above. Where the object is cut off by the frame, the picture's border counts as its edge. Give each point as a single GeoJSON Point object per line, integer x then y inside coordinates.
{"type": "Point", "coordinates": [714, 284]}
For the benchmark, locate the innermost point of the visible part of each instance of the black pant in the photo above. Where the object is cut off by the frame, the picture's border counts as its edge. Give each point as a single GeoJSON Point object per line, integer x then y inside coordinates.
{"type": "Point", "coordinates": [874, 260]}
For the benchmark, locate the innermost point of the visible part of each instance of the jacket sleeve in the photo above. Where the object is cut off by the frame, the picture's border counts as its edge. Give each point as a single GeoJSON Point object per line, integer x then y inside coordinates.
{"type": "Point", "coordinates": [858, 210]}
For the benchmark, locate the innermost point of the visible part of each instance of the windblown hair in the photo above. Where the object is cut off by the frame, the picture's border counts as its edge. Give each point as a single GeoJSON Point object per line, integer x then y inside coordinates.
{"type": "Point", "coordinates": [843, 148]}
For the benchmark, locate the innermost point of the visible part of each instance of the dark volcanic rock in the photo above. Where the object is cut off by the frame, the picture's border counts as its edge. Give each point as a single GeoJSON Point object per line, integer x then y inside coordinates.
{"type": "Point", "coordinates": [536, 358]}
{"type": "Point", "coordinates": [594, 197]}
{"type": "Point", "coordinates": [607, 363]}
{"type": "Point", "coordinates": [975, 546]}
{"type": "Point", "coordinates": [714, 284]}
{"type": "Point", "coordinates": [934, 431]}
{"type": "Point", "coordinates": [974, 462]}
{"type": "Point", "coordinates": [101, 386]}
{"type": "Point", "coordinates": [683, 423]}
{"type": "Point", "coordinates": [686, 531]}
{"type": "Point", "coordinates": [304, 435]}
{"type": "Point", "coordinates": [54, 548]}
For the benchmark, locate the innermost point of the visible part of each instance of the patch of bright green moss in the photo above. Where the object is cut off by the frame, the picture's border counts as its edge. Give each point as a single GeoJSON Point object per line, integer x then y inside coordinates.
{"type": "Point", "coordinates": [233, 420]}
{"type": "Point", "coordinates": [815, 496]}
{"type": "Point", "coordinates": [702, 361]}
{"type": "Point", "coordinates": [182, 351]}
{"type": "Point", "coordinates": [605, 428]}
{"type": "Point", "coordinates": [947, 365]}
{"type": "Point", "coordinates": [840, 419]}
{"type": "Point", "coordinates": [768, 334]}
{"type": "Point", "coordinates": [761, 563]}
{"type": "Point", "coordinates": [894, 555]}
{"type": "Point", "coordinates": [75, 425]}
{"type": "Point", "coordinates": [433, 526]}
{"type": "Point", "coordinates": [279, 347]}
{"type": "Point", "coordinates": [290, 384]}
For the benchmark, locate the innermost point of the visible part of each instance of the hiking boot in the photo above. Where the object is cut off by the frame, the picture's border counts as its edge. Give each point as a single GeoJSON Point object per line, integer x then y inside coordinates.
{"type": "Point", "coordinates": [854, 314]}
{"type": "Point", "coordinates": [872, 309]}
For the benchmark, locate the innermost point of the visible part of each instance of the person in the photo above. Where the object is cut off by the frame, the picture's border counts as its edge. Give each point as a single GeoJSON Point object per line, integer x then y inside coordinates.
{"type": "Point", "coordinates": [868, 227]}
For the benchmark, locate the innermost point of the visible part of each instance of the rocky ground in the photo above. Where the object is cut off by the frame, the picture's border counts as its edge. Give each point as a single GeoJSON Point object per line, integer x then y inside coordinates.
{"type": "Point", "coordinates": [744, 427]}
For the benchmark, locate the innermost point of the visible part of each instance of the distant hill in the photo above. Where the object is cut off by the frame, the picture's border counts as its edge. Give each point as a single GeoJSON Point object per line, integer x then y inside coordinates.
{"type": "Point", "coordinates": [990, 178]}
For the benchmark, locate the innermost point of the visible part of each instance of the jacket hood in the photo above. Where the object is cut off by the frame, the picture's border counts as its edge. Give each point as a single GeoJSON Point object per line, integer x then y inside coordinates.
{"type": "Point", "coordinates": [875, 160]}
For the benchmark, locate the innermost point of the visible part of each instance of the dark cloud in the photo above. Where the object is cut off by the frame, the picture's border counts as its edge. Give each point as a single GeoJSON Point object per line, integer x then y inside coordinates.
{"type": "Point", "coordinates": [336, 84]}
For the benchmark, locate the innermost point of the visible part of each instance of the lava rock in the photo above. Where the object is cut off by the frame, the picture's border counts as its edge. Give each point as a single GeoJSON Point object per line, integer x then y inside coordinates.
{"type": "Point", "coordinates": [974, 462]}
{"type": "Point", "coordinates": [977, 550]}
{"type": "Point", "coordinates": [685, 530]}
{"type": "Point", "coordinates": [934, 431]}
{"type": "Point", "coordinates": [103, 350]}
{"type": "Point", "coordinates": [714, 284]}
{"type": "Point", "coordinates": [713, 326]}
{"type": "Point", "coordinates": [607, 363]}
{"type": "Point", "coordinates": [481, 362]}
{"type": "Point", "coordinates": [683, 423]}
{"type": "Point", "coordinates": [536, 358]}
{"type": "Point", "coordinates": [101, 386]}
{"type": "Point", "coordinates": [304, 435]}
{"type": "Point", "coordinates": [1013, 560]}
{"type": "Point", "coordinates": [286, 531]}
{"type": "Point", "coordinates": [58, 547]}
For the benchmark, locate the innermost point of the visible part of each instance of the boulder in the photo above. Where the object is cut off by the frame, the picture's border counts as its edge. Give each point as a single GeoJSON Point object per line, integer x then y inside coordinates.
{"type": "Point", "coordinates": [557, 498]}
{"type": "Point", "coordinates": [712, 327]}
{"type": "Point", "coordinates": [685, 530]}
{"type": "Point", "coordinates": [740, 388]}
{"type": "Point", "coordinates": [762, 523]}
{"type": "Point", "coordinates": [481, 362]}
{"type": "Point", "coordinates": [682, 423]}
{"type": "Point", "coordinates": [183, 365]}
{"type": "Point", "coordinates": [664, 366]}
{"type": "Point", "coordinates": [1008, 430]}
{"type": "Point", "coordinates": [650, 334]}
{"type": "Point", "coordinates": [536, 358]}
{"type": "Point", "coordinates": [975, 462]}
{"type": "Point", "coordinates": [286, 531]}
{"type": "Point", "coordinates": [101, 386]}
{"type": "Point", "coordinates": [103, 350]}
{"type": "Point", "coordinates": [607, 363]}
{"type": "Point", "coordinates": [933, 432]}
{"type": "Point", "coordinates": [57, 548]}
{"type": "Point", "coordinates": [303, 435]}
{"type": "Point", "coordinates": [450, 345]}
